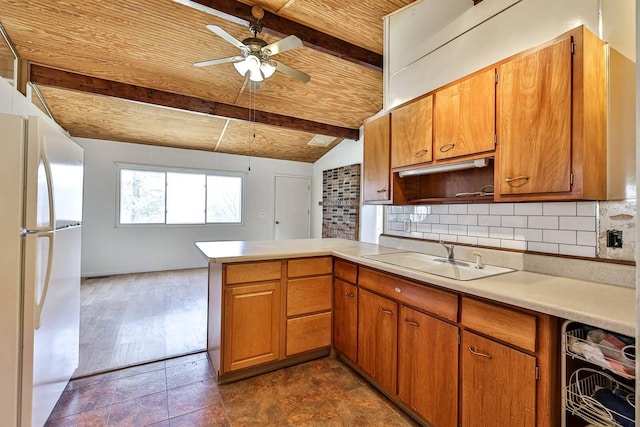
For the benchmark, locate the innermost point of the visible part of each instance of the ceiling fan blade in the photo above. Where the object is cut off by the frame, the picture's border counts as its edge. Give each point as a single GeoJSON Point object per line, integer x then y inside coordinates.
{"type": "Point", "coordinates": [283, 45]}
{"type": "Point", "coordinates": [219, 61]}
{"type": "Point", "coordinates": [226, 36]}
{"type": "Point", "coordinates": [292, 72]}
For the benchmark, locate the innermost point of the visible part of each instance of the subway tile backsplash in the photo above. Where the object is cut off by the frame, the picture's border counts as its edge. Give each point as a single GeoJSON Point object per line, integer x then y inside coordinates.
{"type": "Point", "coordinates": [566, 228]}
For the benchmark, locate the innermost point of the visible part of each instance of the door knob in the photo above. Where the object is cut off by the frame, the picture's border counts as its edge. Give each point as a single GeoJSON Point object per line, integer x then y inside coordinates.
{"type": "Point", "coordinates": [277, 222]}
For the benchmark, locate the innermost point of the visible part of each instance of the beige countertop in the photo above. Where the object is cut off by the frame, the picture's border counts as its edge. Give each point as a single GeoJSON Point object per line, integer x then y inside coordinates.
{"type": "Point", "coordinates": [605, 306]}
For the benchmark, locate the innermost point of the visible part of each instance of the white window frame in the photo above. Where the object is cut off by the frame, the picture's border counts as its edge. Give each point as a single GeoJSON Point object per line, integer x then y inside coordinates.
{"type": "Point", "coordinates": [169, 169]}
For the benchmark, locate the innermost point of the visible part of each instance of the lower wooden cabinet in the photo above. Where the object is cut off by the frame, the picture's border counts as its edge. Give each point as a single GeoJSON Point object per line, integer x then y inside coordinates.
{"type": "Point", "coordinates": [428, 367]}
{"type": "Point", "coordinates": [345, 319]}
{"type": "Point", "coordinates": [251, 325]}
{"type": "Point", "coordinates": [498, 384]}
{"type": "Point", "coordinates": [308, 304]}
{"type": "Point", "coordinates": [308, 333]}
{"type": "Point", "coordinates": [377, 338]}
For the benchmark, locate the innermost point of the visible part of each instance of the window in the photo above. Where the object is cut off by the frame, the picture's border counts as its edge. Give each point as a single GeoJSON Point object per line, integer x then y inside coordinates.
{"type": "Point", "coordinates": [154, 196]}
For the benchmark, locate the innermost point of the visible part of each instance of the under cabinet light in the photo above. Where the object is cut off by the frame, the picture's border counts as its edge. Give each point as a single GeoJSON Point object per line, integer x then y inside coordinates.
{"type": "Point", "coordinates": [478, 163]}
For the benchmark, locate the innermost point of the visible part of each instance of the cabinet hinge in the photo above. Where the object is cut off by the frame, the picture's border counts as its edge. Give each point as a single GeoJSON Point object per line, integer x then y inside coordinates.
{"type": "Point", "coordinates": [459, 340]}
{"type": "Point", "coordinates": [573, 47]}
{"type": "Point", "coordinates": [537, 372]}
{"type": "Point", "coordinates": [495, 139]}
{"type": "Point", "coordinates": [571, 178]}
{"type": "Point", "coordinates": [496, 77]}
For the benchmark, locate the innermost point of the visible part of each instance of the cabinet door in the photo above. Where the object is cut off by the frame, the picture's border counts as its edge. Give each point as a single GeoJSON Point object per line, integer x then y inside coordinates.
{"type": "Point", "coordinates": [377, 341]}
{"type": "Point", "coordinates": [534, 115]}
{"type": "Point", "coordinates": [251, 325]}
{"type": "Point", "coordinates": [411, 133]}
{"type": "Point", "coordinates": [498, 384]}
{"type": "Point", "coordinates": [376, 161]}
{"type": "Point", "coordinates": [465, 117]}
{"type": "Point", "coordinates": [428, 367]}
{"type": "Point", "coordinates": [345, 317]}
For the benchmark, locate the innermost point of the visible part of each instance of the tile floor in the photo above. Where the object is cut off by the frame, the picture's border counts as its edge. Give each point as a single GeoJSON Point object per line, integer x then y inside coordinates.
{"type": "Point", "coordinates": [183, 392]}
{"type": "Point", "coordinates": [130, 319]}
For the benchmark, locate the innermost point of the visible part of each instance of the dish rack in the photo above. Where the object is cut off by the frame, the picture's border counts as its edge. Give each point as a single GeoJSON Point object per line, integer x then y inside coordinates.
{"type": "Point", "coordinates": [597, 393]}
{"type": "Point", "coordinates": [581, 401]}
{"type": "Point", "coordinates": [620, 361]}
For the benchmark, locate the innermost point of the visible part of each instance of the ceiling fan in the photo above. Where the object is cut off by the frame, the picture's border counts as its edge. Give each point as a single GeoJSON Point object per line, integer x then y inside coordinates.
{"type": "Point", "coordinates": [255, 59]}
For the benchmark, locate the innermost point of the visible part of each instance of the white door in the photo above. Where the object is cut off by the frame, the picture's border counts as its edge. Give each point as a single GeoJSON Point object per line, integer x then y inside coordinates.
{"type": "Point", "coordinates": [292, 207]}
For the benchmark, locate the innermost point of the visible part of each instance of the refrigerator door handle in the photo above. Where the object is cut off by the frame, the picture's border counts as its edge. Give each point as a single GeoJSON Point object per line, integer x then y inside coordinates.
{"type": "Point", "coordinates": [47, 171]}
{"type": "Point", "coordinates": [40, 209]}
{"type": "Point", "coordinates": [43, 294]}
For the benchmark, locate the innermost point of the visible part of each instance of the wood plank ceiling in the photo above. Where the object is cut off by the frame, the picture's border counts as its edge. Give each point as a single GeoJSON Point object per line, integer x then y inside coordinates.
{"type": "Point", "coordinates": [108, 70]}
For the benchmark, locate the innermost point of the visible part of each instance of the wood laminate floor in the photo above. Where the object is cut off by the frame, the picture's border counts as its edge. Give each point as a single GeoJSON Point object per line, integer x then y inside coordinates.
{"type": "Point", "coordinates": [130, 319]}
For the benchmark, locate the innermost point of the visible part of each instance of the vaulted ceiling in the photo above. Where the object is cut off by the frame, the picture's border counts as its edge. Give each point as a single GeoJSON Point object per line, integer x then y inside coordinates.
{"type": "Point", "coordinates": [123, 70]}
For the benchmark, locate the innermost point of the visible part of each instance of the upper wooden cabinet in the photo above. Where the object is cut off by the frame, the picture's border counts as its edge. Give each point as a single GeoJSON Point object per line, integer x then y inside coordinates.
{"type": "Point", "coordinates": [547, 112]}
{"type": "Point", "coordinates": [552, 122]}
{"type": "Point", "coordinates": [376, 163]}
{"type": "Point", "coordinates": [411, 133]}
{"type": "Point", "coordinates": [464, 117]}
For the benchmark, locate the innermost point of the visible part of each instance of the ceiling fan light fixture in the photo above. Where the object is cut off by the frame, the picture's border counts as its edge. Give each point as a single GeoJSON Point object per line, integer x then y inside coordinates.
{"type": "Point", "coordinates": [256, 76]}
{"type": "Point", "coordinates": [253, 66]}
{"type": "Point", "coordinates": [267, 68]}
{"type": "Point", "coordinates": [241, 67]}
{"type": "Point", "coordinates": [256, 53]}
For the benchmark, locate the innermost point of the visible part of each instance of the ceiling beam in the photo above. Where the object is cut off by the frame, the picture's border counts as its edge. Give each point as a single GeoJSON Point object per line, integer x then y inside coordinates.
{"type": "Point", "coordinates": [276, 25]}
{"type": "Point", "coordinates": [47, 76]}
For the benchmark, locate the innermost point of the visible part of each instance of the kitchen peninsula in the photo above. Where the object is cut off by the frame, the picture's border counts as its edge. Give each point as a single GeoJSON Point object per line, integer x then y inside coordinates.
{"type": "Point", "coordinates": [276, 303]}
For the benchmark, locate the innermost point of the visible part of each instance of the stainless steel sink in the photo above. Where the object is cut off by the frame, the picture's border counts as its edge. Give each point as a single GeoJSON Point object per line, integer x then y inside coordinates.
{"type": "Point", "coordinates": [457, 270]}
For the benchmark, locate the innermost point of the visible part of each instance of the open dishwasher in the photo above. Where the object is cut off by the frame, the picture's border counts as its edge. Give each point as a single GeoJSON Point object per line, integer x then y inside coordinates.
{"type": "Point", "coordinates": [598, 377]}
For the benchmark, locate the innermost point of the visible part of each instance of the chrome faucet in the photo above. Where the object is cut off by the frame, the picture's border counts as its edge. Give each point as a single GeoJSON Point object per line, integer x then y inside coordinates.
{"type": "Point", "coordinates": [449, 249]}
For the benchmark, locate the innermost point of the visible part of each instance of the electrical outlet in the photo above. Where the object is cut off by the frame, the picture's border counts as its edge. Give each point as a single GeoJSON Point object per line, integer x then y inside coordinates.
{"type": "Point", "coordinates": [614, 239]}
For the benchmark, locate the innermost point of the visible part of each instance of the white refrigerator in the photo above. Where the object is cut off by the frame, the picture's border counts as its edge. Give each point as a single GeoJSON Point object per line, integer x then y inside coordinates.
{"type": "Point", "coordinates": [41, 176]}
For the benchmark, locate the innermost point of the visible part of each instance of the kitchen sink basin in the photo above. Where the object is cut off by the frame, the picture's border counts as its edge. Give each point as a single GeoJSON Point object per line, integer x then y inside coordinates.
{"type": "Point", "coordinates": [457, 270]}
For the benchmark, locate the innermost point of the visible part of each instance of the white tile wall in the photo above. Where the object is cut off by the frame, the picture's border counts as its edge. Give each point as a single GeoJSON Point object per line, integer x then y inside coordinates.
{"type": "Point", "coordinates": [568, 228]}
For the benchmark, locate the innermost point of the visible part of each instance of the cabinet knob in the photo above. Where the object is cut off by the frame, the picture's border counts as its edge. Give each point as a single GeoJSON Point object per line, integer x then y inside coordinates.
{"type": "Point", "coordinates": [477, 353]}
{"type": "Point", "coordinates": [349, 294]}
{"type": "Point", "coordinates": [447, 147]}
{"type": "Point", "coordinates": [389, 312]}
{"type": "Point", "coordinates": [382, 190]}
{"type": "Point", "coordinates": [397, 290]}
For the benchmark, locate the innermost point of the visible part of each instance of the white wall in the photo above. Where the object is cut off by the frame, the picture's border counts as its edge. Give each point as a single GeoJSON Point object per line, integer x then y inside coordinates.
{"type": "Point", "coordinates": [348, 152]}
{"type": "Point", "coordinates": [13, 102]}
{"type": "Point", "coordinates": [109, 249]}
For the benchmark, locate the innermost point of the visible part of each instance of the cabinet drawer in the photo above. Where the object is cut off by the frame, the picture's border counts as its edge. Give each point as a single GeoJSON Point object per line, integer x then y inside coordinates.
{"type": "Point", "coordinates": [253, 272]}
{"type": "Point", "coordinates": [345, 270]}
{"type": "Point", "coordinates": [309, 266]}
{"type": "Point", "coordinates": [308, 295]}
{"type": "Point", "coordinates": [308, 333]}
{"type": "Point", "coordinates": [505, 324]}
{"type": "Point", "coordinates": [440, 303]}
